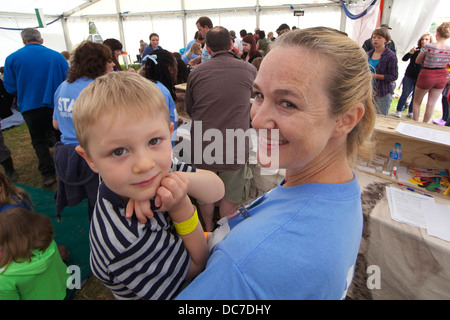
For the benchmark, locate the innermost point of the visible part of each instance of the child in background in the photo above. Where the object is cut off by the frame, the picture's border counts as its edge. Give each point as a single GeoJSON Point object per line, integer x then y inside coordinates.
{"type": "Point", "coordinates": [31, 267]}
{"type": "Point", "coordinates": [76, 181]}
{"type": "Point", "coordinates": [123, 127]}
{"type": "Point", "coordinates": [12, 196]}
{"type": "Point", "coordinates": [161, 68]}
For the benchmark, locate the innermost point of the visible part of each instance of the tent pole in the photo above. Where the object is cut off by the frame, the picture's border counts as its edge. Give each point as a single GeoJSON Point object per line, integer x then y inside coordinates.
{"type": "Point", "coordinates": [66, 34]}
{"type": "Point", "coordinates": [183, 9]}
{"type": "Point", "coordinates": [258, 14]}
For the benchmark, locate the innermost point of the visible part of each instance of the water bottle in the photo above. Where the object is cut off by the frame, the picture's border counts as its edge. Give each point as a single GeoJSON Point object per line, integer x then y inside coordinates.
{"type": "Point", "coordinates": [394, 157]}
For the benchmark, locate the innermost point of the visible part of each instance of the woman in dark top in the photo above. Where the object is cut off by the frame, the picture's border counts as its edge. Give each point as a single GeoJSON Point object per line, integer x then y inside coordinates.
{"type": "Point", "coordinates": [249, 49]}
{"type": "Point", "coordinates": [411, 74]}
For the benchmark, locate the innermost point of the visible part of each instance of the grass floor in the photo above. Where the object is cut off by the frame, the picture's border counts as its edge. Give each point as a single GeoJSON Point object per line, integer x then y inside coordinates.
{"type": "Point", "coordinates": [26, 163]}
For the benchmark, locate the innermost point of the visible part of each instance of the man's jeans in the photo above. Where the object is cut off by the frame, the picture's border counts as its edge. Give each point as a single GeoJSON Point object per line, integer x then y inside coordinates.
{"type": "Point", "coordinates": [43, 135]}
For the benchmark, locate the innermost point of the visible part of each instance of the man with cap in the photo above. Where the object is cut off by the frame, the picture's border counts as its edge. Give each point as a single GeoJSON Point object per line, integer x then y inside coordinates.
{"type": "Point", "coordinates": [367, 46]}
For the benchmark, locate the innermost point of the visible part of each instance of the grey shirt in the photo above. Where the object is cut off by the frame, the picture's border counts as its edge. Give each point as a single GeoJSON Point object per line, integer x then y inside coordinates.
{"type": "Point", "coordinates": [218, 94]}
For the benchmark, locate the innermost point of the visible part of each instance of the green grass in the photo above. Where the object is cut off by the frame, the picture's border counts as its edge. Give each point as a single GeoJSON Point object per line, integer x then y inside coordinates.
{"type": "Point", "coordinates": [22, 152]}
{"type": "Point", "coordinates": [437, 114]}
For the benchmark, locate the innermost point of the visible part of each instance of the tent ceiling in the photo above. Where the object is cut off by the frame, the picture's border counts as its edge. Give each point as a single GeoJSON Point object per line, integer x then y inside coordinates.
{"type": "Point", "coordinates": [55, 8]}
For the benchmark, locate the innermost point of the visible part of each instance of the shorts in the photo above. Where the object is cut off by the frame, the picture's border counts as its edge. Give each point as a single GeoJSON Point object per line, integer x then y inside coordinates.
{"type": "Point", "coordinates": [237, 184]}
{"type": "Point", "coordinates": [432, 79]}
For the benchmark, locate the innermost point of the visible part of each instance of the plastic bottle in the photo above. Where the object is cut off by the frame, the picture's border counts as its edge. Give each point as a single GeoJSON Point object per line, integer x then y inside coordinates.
{"type": "Point", "coordinates": [394, 157]}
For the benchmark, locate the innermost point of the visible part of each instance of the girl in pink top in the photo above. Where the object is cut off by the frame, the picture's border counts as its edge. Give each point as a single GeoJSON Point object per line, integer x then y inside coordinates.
{"type": "Point", "coordinates": [433, 76]}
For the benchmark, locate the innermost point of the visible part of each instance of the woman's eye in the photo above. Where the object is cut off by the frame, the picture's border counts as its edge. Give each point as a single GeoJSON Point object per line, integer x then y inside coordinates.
{"type": "Point", "coordinates": [118, 152]}
{"type": "Point", "coordinates": [154, 141]}
{"type": "Point", "coordinates": [258, 95]}
{"type": "Point", "coordinates": [288, 105]}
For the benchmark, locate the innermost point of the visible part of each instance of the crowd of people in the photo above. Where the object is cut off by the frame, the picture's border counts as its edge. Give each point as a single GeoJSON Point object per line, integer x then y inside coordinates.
{"type": "Point", "coordinates": [314, 93]}
{"type": "Point", "coordinates": [428, 72]}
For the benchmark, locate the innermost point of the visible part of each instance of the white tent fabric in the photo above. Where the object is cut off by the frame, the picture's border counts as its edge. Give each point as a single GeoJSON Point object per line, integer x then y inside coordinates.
{"type": "Point", "coordinates": [174, 20]}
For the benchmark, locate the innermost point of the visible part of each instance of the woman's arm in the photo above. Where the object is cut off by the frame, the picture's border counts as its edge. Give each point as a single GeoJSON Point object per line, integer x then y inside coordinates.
{"type": "Point", "coordinates": [420, 58]}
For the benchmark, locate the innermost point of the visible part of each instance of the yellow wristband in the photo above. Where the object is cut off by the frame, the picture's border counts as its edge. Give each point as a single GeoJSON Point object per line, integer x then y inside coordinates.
{"type": "Point", "coordinates": [187, 226]}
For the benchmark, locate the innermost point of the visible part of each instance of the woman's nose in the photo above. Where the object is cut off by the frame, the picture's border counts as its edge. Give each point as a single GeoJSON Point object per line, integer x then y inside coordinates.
{"type": "Point", "coordinates": [262, 116]}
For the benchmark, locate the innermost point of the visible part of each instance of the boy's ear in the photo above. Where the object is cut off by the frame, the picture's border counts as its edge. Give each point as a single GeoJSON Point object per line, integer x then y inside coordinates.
{"type": "Point", "coordinates": [348, 121]}
{"type": "Point", "coordinates": [86, 157]}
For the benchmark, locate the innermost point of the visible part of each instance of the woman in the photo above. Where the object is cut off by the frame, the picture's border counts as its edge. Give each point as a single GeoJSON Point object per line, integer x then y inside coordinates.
{"type": "Point", "coordinates": [194, 51]}
{"type": "Point", "coordinates": [433, 77]}
{"type": "Point", "coordinates": [116, 49]}
{"type": "Point", "coordinates": [154, 45]}
{"type": "Point", "coordinates": [383, 64]}
{"type": "Point", "coordinates": [249, 51]}
{"type": "Point", "coordinates": [76, 181]}
{"type": "Point", "coordinates": [263, 42]}
{"type": "Point", "coordinates": [301, 239]}
{"type": "Point", "coordinates": [411, 74]}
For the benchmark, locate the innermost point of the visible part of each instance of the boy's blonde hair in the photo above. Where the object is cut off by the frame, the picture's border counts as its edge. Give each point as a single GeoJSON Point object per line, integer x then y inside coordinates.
{"type": "Point", "coordinates": [116, 94]}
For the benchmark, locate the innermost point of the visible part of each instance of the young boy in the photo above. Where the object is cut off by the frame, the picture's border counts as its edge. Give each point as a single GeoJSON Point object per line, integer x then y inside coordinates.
{"type": "Point", "coordinates": [123, 127]}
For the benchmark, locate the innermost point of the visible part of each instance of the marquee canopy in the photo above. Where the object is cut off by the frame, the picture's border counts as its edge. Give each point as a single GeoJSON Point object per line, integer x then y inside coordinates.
{"type": "Point", "coordinates": [67, 21]}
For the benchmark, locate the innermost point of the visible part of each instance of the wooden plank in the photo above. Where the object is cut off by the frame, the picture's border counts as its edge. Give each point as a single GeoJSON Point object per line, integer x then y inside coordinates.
{"type": "Point", "coordinates": [417, 151]}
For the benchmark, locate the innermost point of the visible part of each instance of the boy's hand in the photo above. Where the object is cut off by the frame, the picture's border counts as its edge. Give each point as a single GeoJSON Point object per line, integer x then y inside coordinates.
{"type": "Point", "coordinates": [141, 208]}
{"type": "Point", "coordinates": [168, 197]}
{"type": "Point", "coordinates": [172, 192]}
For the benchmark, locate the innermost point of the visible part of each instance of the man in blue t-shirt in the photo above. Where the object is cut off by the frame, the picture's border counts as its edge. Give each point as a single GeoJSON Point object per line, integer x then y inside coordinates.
{"type": "Point", "coordinates": [33, 73]}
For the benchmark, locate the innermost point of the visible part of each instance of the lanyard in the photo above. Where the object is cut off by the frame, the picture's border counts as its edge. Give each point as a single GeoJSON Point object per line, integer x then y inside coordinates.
{"type": "Point", "coordinates": [224, 224]}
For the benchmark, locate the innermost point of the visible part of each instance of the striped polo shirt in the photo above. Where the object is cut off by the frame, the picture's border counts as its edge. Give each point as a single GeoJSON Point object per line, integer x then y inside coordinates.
{"type": "Point", "coordinates": [135, 260]}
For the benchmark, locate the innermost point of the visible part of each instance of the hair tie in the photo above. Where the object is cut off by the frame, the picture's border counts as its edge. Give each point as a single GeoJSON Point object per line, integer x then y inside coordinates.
{"type": "Point", "coordinates": [153, 57]}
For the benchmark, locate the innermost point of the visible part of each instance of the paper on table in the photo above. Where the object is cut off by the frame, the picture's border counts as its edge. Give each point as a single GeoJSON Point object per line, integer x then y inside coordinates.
{"type": "Point", "coordinates": [438, 222]}
{"type": "Point", "coordinates": [424, 133]}
{"type": "Point", "coordinates": [408, 207]}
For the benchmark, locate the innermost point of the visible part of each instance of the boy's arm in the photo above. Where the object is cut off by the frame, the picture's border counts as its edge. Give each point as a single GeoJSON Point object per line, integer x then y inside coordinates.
{"type": "Point", "coordinates": [204, 185]}
{"type": "Point", "coordinates": [194, 241]}
{"type": "Point", "coordinates": [184, 215]}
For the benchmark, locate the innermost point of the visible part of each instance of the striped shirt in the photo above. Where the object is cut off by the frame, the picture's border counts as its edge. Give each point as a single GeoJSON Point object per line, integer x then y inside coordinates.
{"type": "Point", "coordinates": [435, 58]}
{"type": "Point", "coordinates": [135, 260]}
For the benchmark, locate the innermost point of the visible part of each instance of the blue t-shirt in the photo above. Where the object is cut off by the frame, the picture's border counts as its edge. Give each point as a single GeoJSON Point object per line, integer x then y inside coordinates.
{"type": "Point", "coordinates": [65, 97]}
{"type": "Point", "coordinates": [33, 73]}
{"type": "Point", "coordinates": [172, 108]}
{"type": "Point", "coordinates": [373, 65]}
{"type": "Point", "coordinates": [298, 242]}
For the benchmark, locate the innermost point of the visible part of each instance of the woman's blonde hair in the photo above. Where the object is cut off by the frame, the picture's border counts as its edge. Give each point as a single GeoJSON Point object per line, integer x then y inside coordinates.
{"type": "Point", "coordinates": [21, 232]}
{"type": "Point", "coordinates": [444, 30]}
{"type": "Point", "coordinates": [11, 194]}
{"type": "Point", "coordinates": [419, 43]}
{"type": "Point", "coordinates": [349, 82]}
{"type": "Point", "coordinates": [196, 48]}
{"type": "Point", "coordinates": [116, 94]}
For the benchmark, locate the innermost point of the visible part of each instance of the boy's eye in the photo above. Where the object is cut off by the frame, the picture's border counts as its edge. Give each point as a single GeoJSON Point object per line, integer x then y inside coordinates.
{"type": "Point", "coordinates": [118, 152]}
{"type": "Point", "coordinates": [154, 141]}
